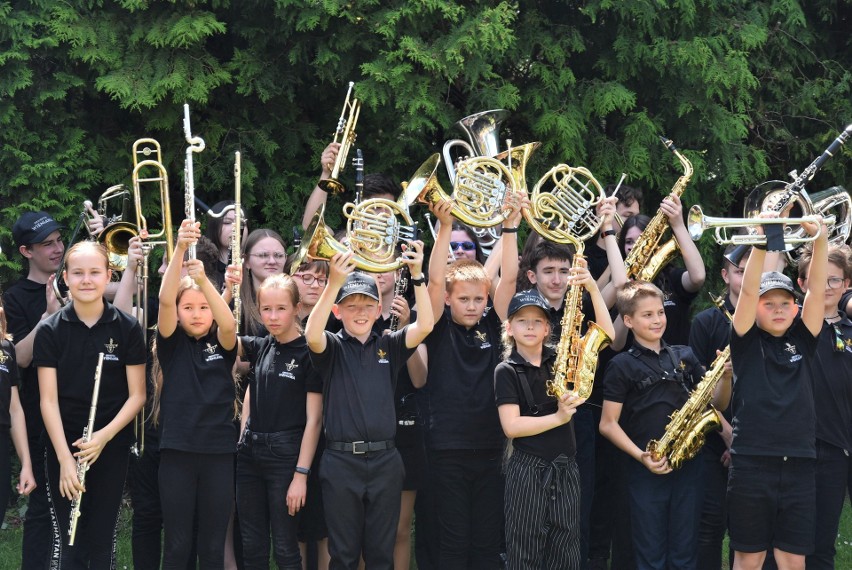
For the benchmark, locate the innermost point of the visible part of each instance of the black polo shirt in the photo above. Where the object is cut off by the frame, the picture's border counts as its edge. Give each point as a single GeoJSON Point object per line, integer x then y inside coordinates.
{"type": "Point", "coordinates": [65, 343]}
{"type": "Point", "coordinates": [596, 256]}
{"type": "Point", "coordinates": [283, 375]}
{"type": "Point", "coordinates": [197, 400]}
{"type": "Point", "coordinates": [833, 384]}
{"type": "Point", "coordinates": [650, 386]}
{"type": "Point", "coordinates": [772, 399]}
{"type": "Point", "coordinates": [711, 331]}
{"type": "Point", "coordinates": [8, 380]}
{"type": "Point", "coordinates": [508, 389]}
{"type": "Point", "coordinates": [24, 303]}
{"type": "Point", "coordinates": [677, 302]}
{"type": "Point", "coordinates": [358, 384]}
{"type": "Point", "coordinates": [459, 405]}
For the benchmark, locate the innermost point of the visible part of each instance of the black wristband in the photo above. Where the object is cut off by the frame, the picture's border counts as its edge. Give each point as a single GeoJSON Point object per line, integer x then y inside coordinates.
{"type": "Point", "coordinates": [609, 232]}
{"type": "Point", "coordinates": [416, 282]}
{"type": "Point", "coordinates": [510, 230]}
{"type": "Point", "coordinates": [774, 237]}
{"type": "Point", "coordinates": [303, 470]}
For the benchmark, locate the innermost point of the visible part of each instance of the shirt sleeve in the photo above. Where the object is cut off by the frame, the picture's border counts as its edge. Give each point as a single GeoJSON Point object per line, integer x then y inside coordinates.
{"type": "Point", "coordinates": [13, 367]}
{"type": "Point", "coordinates": [16, 316]}
{"type": "Point", "coordinates": [45, 349]}
{"type": "Point", "coordinates": [322, 361]}
{"type": "Point", "coordinates": [137, 352]}
{"type": "Point", "coordinates": [399, 353]}
{"type": "Point", "coordinates": [250, 348]}
{"type": "Point", "coordinates": [616, 384]}
{"type": "Point", "coordinates": [506, 385]}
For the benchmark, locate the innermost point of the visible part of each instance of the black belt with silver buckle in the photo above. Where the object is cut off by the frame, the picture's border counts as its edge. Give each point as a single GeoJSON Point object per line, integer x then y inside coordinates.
{"type": "Point", "coordinates": [360, 447]}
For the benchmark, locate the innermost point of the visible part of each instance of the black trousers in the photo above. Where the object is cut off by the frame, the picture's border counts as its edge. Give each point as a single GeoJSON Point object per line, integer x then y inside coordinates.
{"type": "Point", "coordinates": [468, 486]}
{"type": "Point", "coordinates": [714, 514]}
{"type": "Point", "coordinates": [94, 545]}
{"type": "Point", "coordinates": [362, 495]}
{"type": "Point", "coordinates": [266, 463]}
{"type": "Point", "coordinates": [38, 529]}
{"type": "Point", "coordinates": [193, 484]}
{"type": "Point", "coordinates": [832, 472]}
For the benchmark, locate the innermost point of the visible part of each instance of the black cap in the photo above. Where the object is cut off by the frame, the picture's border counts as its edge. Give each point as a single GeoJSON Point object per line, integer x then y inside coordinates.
{"type": "Point", "coordinates": [775, 280]}
{"type": "Point", "coordinates": [34, 227]}
{"type": "Point", "coordinates": [358, 284]}
{"type": "Point", "coordinates": [530, 298]}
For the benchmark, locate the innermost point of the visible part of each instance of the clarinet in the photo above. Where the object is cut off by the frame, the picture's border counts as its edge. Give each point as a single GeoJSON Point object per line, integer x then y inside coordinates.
{"type": "Point", "coordinates": [358, 162]}
{"type": "Point", "coordinates": [398, 291]}
{"type": "Point", "coordinates": [82, 466]}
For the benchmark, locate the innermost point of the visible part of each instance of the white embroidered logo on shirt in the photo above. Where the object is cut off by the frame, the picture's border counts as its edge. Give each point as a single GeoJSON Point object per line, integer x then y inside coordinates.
{"type": "Point", "coordinates": [291, 365]}
{"type": "Point", "coordinates": [111, 345]}
{"type": "Point", "coordinates": [211, 351]}
{"type": "Point", "coordinates": [382, 354]}
{"type": "Point", "coordinates": [483, 339]}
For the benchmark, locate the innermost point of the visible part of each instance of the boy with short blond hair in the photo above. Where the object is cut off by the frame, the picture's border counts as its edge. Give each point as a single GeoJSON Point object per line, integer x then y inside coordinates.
{"type": "Point", "coordinates": [642, 388]}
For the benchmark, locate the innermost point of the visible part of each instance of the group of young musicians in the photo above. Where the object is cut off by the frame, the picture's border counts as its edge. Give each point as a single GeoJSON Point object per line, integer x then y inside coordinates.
{"type": "Point", "coordinates": [344, 402]}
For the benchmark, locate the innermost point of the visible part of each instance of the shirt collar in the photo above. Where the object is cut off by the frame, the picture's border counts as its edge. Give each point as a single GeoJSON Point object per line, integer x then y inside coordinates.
{"type": "Point", "coordinates": [347, 337]}
{"type": "Point", "coordinates": [638, 350]}
{"type": "Point", "coordinates": [515, 357]}
{"type": "Point", "coordinates": [67, 313]}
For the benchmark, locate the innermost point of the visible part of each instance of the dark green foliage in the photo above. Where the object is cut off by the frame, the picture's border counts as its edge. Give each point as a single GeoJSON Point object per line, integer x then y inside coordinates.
{"type": "Point", "coordinates": [749, 90]}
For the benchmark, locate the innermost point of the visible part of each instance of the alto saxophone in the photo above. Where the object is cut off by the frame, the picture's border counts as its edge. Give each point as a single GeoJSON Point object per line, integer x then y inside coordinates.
{"type": "Point", "coordinates": [648, 257]}
{"type": "Point", "coordinates": [83, 466]}
{"type": "Point", "coordinates": [576, 356]}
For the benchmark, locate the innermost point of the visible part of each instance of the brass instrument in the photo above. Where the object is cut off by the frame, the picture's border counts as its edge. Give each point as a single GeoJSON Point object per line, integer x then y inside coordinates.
{"type": "Point", "coordinates": [648, 257]}
{"type": "Point", "coordinates": [478, 192]}
{"type": "Point", "coordinates": [83, 466]}
{"type": "Point", "coordinates": [481, 130]}
{"type": "Point", "coordinates": [346, 131]}
{"type": "Point", "coordinates": [117, 232]}
{"type": "Point", "coordinates": [688, 426]}
{"type": "Point", "coordinates": [576, 356]}
{"type": "Point", "coordinates": [697, 222]}
{"type": "Point", "coordinates": [562, 205]}
{"type": "Point", "coordinates": [319, 242]}
{"type": "Point", "coordinates": [148, 169]}
{"type": "Point", "coordinates": [195, 144]}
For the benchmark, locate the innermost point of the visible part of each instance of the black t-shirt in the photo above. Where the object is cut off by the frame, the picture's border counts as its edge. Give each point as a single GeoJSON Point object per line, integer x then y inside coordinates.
{"type": "Point", "coordinates": [772, 399]}
{"type": "Point", "coordinates": [197, 400]}
{"type": "Point", "coordinates": [596, 256]}
{"type": "Point", "coordinates": [460, 408]}
{"type": "Point", "coordinates": [833, 384]}
{"type": "Point", "coordinates": [283, 375]}
{"type": "Point", "coordinates": [65, 343]}
{"type": "Point", "coordinates": [24, 303]}
{"type": "Point", "coordinates": [508, 389]}
{"type": "Point", "coordinates": [711, 331]}
{"type": "Point", "coordinates": [650, 386]}
{"type": "Point", "coordinates": [358, 384]}
{"type": "Point", "coordinates": [8, 379]}
{"type": "Point", "coordinates": [677, 302]}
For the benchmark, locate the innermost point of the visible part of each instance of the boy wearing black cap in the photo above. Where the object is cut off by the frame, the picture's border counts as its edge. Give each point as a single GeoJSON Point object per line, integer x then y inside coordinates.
{"type": "Point", "coordinates": [29, 301]}
{"type": "Point", "coordinates": [361, 472]}
{"type": "Point", "coordinates": [771, 493]}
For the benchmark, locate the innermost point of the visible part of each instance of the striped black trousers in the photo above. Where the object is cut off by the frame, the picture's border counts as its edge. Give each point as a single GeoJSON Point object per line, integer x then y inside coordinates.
{"type": "Point", "coordinates": [542, 513]}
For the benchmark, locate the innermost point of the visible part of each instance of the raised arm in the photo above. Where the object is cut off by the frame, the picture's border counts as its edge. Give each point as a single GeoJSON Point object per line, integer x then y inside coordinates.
{"type": "Point", "coordinates": [226, 330]}
{"type": "Point", "coordinates": [813, 307]}
{"type": "Point", "coordinates": [318, 196]}
{"type": "Point", "coordinates": [188, 234]}
{"type": "Point", "coordinates": [422, 326]}
{"type": "Point", "coordinates": [746, 309]}
{"type": "Point", "coordinates": [438, 258]}
{"type": "Point", "coordinates": [123, 300]}
{"type": "Point", "coordinates": [580, 275]}
{"type": "Point", "coordinates": [509, 256]}
{"type": "Point", "coordinates": [616, 271]}
{"type": "Point", "coordinates": [340, 266]}
{"type": "Point", "coordinates": [695, 274]}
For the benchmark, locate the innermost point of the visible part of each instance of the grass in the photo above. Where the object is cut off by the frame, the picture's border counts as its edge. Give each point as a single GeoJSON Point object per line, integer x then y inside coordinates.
{"type": "Point", "coordinates": [11, 534]}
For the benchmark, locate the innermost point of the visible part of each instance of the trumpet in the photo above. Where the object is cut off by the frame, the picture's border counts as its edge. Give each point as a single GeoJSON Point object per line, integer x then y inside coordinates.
{"type": "Point", "coordinates": [195, 144]}
{"type": "Point", "coordinates": [697, 223]}
{"type": "Point", "coordinates": [346, 131]}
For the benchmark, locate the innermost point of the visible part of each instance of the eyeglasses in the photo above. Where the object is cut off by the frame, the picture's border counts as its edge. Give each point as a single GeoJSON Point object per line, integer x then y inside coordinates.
{"type": "Point", "coordinates": [834, 282]}
{"type": "Point", "coordinates": [264, 255]}
{"type": "Point", "coordinates": [309, 279]}
{"type": "Point", "coordinates": [465, 245]}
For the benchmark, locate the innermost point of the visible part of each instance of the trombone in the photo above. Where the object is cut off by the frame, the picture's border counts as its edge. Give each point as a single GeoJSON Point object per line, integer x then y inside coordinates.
{"type": "Point", "coordinates": [697, 223]}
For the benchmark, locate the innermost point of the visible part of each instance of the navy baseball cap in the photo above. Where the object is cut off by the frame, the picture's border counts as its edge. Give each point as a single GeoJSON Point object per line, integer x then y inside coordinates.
{"type": "Point", "coordinates": [34, 227]}
{"type": "Point", "coordinates": [358, 284]}
{"type": "Point", "coordinates": [530, 298]}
